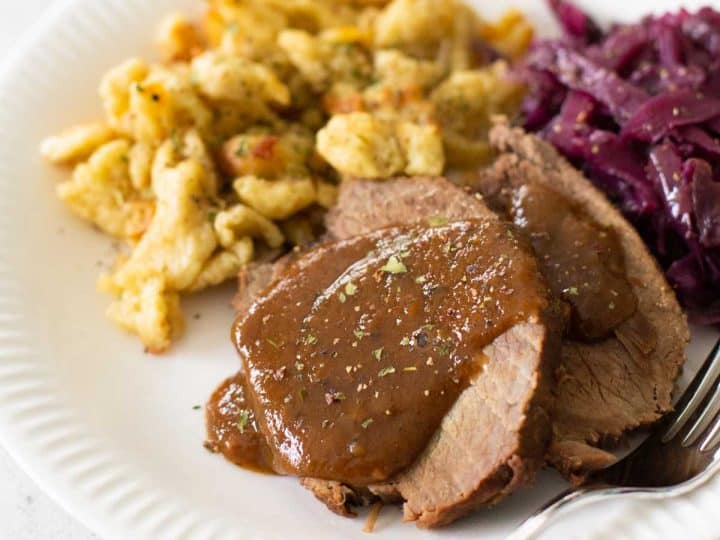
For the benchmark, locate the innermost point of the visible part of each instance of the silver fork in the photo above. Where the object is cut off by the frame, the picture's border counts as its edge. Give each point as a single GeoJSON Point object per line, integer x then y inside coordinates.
{"type": "Point", "coordinates": [681, 454]}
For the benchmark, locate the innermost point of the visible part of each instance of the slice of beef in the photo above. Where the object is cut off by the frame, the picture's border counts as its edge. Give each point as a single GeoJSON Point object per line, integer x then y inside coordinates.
{"type": "Point", "coordinates": [258, 276]}
{"type": "Point", "coordinates": [365, 205]}
{"type": "Point", "coordinates": [253, 280]}
{"type": "Point", "coordinates": [494, 438]}
{"type": "Point", "coordinates": [362, 208]}
{"type": "Point", "coordinates": [338, 497]}
{"type": "Point", "coordinates": [489, 443]}
{"type": "Point", "coordinates": [625, 381]}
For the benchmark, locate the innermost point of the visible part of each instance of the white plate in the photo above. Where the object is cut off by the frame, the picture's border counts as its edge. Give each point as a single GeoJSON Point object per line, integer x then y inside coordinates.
{"type": "Point", "coordinates": [111, 432]}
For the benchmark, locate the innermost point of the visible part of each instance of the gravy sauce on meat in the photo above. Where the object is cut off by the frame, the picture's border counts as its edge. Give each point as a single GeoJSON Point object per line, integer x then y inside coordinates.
{"type": "Point", "coordinates": [232, 428]}
{"type": "Point", "coordinates": [358, 352]}
{"type": "Point", "coordinates": [582, 261]}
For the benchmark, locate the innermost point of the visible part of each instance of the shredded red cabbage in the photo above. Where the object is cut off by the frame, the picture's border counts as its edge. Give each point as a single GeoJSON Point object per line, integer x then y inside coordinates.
{"type": "Point", "coordinates": [637, 108]}
{"type": "Point", "coordinates": [575, 22]}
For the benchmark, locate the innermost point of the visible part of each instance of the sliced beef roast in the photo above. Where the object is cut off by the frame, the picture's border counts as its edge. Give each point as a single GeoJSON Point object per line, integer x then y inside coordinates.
{"type": "Point", "coordinates": [494, 437]}
{"type": "Point", "coordinates": [606, 384]}
{"type": "Point", "coordinates": [492, 440]}
{"type": "Point", "coordinates": [606, 387]}
{"type": "Point", "coordinates": [625, 380]}
{"type": "Point", "coordinates": [256, 277]}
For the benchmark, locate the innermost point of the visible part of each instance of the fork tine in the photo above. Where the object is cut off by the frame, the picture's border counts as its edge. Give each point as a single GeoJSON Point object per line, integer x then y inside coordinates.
{"type": "Point", "coordinates": [705, 418]}
{"type": "Point", "coordinates": [713, 439]}
{"type": "Point", "coordinates": [696, 394]}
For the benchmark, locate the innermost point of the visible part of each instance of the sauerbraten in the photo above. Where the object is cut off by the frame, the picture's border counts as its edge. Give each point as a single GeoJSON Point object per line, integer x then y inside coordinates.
{"type": "Point", "coordinates": [429, 328]}
{"type": "Point", "coordinates": [356, 354]}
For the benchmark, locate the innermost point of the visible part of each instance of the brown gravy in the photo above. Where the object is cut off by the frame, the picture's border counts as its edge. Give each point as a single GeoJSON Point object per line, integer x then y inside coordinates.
{"type": "Point", "coordinates": [232, 429]}
{"type": "Point", "coordinates": [583, 261]}
{"type": "Point", "coordinates": [356, 355]}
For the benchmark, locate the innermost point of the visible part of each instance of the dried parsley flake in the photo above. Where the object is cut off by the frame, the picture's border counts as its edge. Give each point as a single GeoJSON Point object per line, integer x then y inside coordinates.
{"type": "Point", "coordinates": [437, 221]}
{"type": "Point", "coordinates": [386, 371]}
{"type": "Point", "coordinates": [350, 288]}
{"type": "Point", "coordinates": [243, 421]}
{"type": "Point", "coordinates": [394, 266]}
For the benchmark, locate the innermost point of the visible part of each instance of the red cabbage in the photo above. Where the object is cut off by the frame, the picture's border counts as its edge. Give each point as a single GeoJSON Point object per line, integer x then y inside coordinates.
{"type": "Point", "coordinates": [621, 48]}
{"type": "Point", "coordinates": [702, 29]}
{"type": "Point", "coordinates": [599, 149]}
{"type": "Point", "coordinates": [658, 115]}
{"type": "Point", "coordinates": [637, 108]}
{"type": "Point", "coordinates": [687, 277]}
{"type": "Point", "coordinates": [693, 139]}
{"type": "Point", "coordinates": [575, 22]}
{"type": "Point", "coordinates": [668, 42]}
{"type": "Point", "coordinates": [543, 101]}
{"type": "Point", "coordinates": [714, 125]}
{"type": "Point", "coordinates": [672, 181]}
{"type": "Point", "coordinates": [578, 72]}
{"type": "Point", "coordinates": [705, 197]}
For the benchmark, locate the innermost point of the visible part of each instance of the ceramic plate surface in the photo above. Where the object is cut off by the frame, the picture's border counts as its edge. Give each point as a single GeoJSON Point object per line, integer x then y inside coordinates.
{"type": "Point", "coordinates": [110, 432]}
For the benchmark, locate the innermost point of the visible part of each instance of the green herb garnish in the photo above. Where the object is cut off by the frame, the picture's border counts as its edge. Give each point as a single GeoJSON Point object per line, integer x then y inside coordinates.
{"type": "Point", "coordinates": [444, 349]}
{"type": "Point", "coordinates": [377, 353]}
{"type": "Point", "coordinates": [359, 334]}
{"type": "Point", "coordinates": [437, 221]}
{"type": "Point", "coordinates": [420, 279]}
{"type": "Point", "coordinates": [332, 397]}
{"type": "Point", "coordinates": [350, 288]}
{"type": "Point", "coordinates": [311, 340]}
{"type": "Point", "coordinates": [365, 423]}
{"type": "Point", "coordinates": [244, 419]}
{"type": "Point", "coordinates": [405, 341]}
{"type": "Point", "coordinates": [394, 266]}
{"type": "Point", "coordinates": [342, 297]}
{"type": "Point", "coordinates": [242, 149]}
{"type": "Point", "coordinates": [386, 371]}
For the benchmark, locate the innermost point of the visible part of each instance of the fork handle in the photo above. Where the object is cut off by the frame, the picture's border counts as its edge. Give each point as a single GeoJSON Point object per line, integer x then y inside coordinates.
{"type": "Point", "coordinates": [567, 500]}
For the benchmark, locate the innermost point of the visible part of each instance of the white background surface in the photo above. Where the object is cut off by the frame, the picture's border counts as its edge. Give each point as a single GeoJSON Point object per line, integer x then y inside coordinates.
{"type": "Point", "coordinates": [25, 512]}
